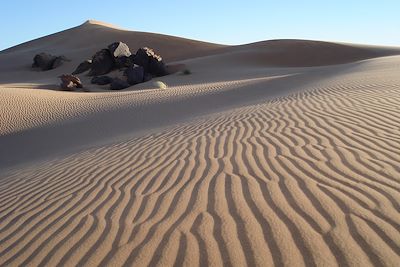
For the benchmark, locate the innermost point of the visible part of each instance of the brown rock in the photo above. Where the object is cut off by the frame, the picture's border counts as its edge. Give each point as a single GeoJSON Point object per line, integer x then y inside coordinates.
{"type": "Point", "coordinates": [70, 82]}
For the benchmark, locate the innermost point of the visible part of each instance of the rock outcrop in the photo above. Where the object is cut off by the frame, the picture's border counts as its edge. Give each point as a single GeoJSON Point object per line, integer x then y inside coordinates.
{"type": "Point", "coordinates": [137, 68]}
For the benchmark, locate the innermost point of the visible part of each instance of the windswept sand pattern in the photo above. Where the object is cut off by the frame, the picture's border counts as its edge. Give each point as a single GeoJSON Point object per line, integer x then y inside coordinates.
{"type": "Point", "coordinates": [25, 109]}
{"type": "Point", "coordinates": [311, 179]}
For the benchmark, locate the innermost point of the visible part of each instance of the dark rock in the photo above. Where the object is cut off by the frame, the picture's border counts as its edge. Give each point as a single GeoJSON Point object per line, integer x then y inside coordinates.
{"type": "Point", "coordinates": [132, 59]}
{"type": "Point", "coordinates": [102, 63]}
{"type": "Point", "coordinates": [119, 49]}
{"type": "Point", "coordinates": [69, 82]}
{"type": "Point", "coordinates": [134, 74]}
{"type": "Point", "coordinates": [118, 84]}
{"type": "Point", "coordinates": [147, 77]}
{"type": "Point", "coordinates": [141, 58]}
{"type": "Point", "coordinates": [157, 67]}
{"type": "Point", "coordinates": [84, 66]}
{"type": "Point", "coordinates": [46, 61]}
{"type": "Point", "coordinates": [43, 61]}
{"type": "Point", "coordinates": [123, 62]}
{"type": "Point", "coordinates": [101, 80]}
{"type": "Point", "coordinates": [150, 61]}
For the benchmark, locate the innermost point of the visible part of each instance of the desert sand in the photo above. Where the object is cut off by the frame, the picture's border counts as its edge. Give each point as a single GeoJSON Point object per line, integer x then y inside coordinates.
{"type": "Point", "coordinates": [276, 153]}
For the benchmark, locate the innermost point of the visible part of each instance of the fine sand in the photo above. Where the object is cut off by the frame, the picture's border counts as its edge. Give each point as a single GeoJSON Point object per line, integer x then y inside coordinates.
{"type": "Point", "coordinates": [277, 153]}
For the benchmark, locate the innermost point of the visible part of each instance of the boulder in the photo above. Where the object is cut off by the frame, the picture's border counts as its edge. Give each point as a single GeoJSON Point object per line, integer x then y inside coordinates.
{"type": "Point", "coordinates": [142, 56]}
{"type": "Point", "coordinates": [118, 84]}
{"type": "Point", "coordinates": [150, 61]}
{"type": "Point", "coordinates": [102, 63]}
{"type": "Point", "coordinates": [119, 49]}
{"type": "Point", "coordinates": [123, 62]}
{"type": "Point", "coordinates": [46, 61]}
{"type": "Point", "coordinates": [84, 66]}
{"type": "Point", "coordinates": [43, 61]}
{"type": "Point", "coordinates": [134, 74]}
{"type": "Point", "coordinates": [69, 82]}
{"type": "Point", "coordinates": [101, 80]}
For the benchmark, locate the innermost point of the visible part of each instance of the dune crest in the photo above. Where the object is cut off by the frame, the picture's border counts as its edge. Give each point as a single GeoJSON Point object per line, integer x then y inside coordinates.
{"type": "Point", "coordinates": [101, 23]}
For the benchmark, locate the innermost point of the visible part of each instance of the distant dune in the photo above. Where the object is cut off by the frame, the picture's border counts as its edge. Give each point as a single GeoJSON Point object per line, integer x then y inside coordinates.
{"type": "Point", "coordinates": [82, 42]}
{"type": "Point", "coordinates": [276, 153]}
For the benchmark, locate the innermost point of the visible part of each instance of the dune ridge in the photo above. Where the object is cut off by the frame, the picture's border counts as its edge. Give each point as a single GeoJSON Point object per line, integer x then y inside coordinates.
{"type": "Point", "coordinates": [101, 23]}
{"type": "Point", "coordinates": [310, 178]}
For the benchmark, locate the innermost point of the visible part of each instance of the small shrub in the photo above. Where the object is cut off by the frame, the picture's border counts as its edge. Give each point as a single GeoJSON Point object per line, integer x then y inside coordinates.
{"type": "Point", "coordinates": [186, 72]}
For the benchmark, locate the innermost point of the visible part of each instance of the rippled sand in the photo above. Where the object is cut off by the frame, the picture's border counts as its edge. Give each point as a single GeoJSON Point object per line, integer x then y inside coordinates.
{"type": "Point", "coordinates": [238, 164]}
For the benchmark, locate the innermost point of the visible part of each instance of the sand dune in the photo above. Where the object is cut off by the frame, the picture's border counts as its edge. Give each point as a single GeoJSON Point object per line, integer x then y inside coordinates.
{"type": "Point", "coordinates": [243, 164]}
{"type": "Point", "coordinates": [305, 53]}
{"type": "Point", "coordinates": [81, 42]}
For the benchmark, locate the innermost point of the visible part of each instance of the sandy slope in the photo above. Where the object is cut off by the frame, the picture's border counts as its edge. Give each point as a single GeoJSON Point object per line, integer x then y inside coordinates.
{"type": "Point", "coordinates": [241, 163]}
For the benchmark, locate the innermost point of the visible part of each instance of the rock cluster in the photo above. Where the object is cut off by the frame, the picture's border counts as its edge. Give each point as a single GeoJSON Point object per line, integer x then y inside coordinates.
{"type": "Point", "coordinates": [46, 61]}
{"type": "Point", "coordinates": [137, 68]}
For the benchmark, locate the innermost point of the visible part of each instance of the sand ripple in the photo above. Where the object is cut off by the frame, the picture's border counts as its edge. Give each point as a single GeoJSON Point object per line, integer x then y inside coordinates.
{"type": "Point", "coordinates": [308, 179]}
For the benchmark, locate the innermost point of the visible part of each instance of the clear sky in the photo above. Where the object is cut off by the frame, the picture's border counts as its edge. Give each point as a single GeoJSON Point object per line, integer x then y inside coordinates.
{"type": "Point", "coordinates": [220, 21]}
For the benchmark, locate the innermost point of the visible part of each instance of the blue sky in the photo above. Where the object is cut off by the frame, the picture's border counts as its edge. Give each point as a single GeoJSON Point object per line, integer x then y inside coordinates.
{"type": "Point", "coordinates": [223, 21]}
